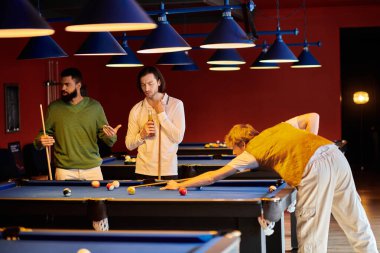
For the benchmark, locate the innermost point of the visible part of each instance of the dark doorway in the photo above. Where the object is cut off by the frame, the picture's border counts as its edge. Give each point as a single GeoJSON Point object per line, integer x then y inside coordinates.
{"type": "Point", "coordinates": [360, 71]}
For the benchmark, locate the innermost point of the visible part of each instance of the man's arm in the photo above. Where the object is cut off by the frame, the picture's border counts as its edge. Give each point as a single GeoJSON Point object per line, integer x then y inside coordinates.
{"type": "Point", "coordinates": [308, 122]}
{"type": "Point", "coordinates": [175, 127]}
{"type": "Point", "coordinates": [133, 139]}
{"type": "Point", "coordinates": [239, 163]}
{"type": "Point", "coordinates": [203, 179]}
{"type": "Point", "coordinates": [105, 132]}
{"type": "Point", "coordinates": [41, 140]}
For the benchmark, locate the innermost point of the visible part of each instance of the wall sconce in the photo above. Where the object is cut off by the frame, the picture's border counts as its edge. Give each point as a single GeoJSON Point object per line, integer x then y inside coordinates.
{"type": "Point", "coordinates": [361, 97]}
{"type": "Point", "coordinates": [20, 19]}
{"type": "Point", "coordinates": [112, 15]}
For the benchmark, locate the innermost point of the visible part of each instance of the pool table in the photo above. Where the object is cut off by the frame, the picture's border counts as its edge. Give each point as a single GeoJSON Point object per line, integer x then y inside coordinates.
{"type": "Point", "coordinates": [70, 241]}
{"type": "Point", "coordinates": [225, 205]}
{"type": "Point", "coordinates": [188, 166]}
{"type": "Point", "coordinates": [198, 148]}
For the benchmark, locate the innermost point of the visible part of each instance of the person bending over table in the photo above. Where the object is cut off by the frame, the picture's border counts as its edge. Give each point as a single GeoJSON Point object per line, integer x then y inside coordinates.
{"type": "Point", "coordinates": [312, 164]}
{"type": "Point", "coordinates": [73, 125]}
{"type": "Point", "coordinates": [156, 125]}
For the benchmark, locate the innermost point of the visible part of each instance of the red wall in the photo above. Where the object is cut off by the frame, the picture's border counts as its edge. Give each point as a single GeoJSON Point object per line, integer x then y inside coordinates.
{"type": "Point", "coordinates": [214, 101]}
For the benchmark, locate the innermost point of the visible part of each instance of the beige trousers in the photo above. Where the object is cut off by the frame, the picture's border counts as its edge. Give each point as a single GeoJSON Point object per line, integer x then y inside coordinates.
{"type": "Point", "coordinates": [327, 186]}
{"type": "Point", "coordinates": [79, 174]}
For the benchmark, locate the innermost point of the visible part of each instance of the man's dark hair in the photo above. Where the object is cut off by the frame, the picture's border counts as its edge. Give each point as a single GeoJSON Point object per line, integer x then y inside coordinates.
{"type": "Point", "coordinates": [157, 74]}
{"type": "Point", "coordinates": [74, 73]}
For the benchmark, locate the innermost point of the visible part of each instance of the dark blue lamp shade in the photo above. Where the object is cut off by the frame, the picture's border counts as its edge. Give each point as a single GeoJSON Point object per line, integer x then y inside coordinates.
{"type": "Point", "coordinates": [18, 18]}
{"type": "Point", "coordinates": [112, 15]}
{"type": "Point", "coordinates": [163, 39]}
{"type": "Point", "coordinates": [128, 60]}
{"type": "Point", "coordinates": [175, 58]}
{"type": "Point", "coordinates": [224, 67]}
{"type": "Point", "coordinates": [190, 67]}
{"type": "Point", "coordinates": [306, 60]}
{"type": "Point", "coordinates": [279, 52]}
{"type": "Point", "coordinates": [101, 43]}
{"type": "Point", "coordinates": [226, 57]}
{"type": "Point", "coordinates": [42, 47]}
{"type": "Point", "coordinates": [263, 65]}
{"type": "Point", "coordinates": [227, 34]}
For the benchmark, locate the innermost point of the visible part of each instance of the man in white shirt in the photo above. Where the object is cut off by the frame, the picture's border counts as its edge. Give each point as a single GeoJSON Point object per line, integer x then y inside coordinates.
{"type": "Point", "coordinates": [156, 126]}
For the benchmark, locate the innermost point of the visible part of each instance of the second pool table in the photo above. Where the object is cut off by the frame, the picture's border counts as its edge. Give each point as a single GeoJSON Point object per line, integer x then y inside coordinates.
{"type": "Point", "coordinates": [72, 241]}
{"type": "Point", "coordinates": [188, 166]}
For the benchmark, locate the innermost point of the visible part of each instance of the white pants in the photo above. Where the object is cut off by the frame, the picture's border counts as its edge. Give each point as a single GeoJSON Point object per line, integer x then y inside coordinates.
{"type": "Point", "coordinates": [79, 174]}
{"type": "Point", "coordinates": [327, 186]}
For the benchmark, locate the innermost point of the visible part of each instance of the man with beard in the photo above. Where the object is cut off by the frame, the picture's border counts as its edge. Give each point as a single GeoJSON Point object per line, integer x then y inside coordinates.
{"type": "Point", "coordinates": [156, 125]}
{"type": "Point", "coordinates": [73, 125]}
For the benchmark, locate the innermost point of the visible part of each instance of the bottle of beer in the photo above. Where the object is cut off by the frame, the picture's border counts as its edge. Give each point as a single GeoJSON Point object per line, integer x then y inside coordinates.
{"type": "Point", "coordinates": [150, 118]}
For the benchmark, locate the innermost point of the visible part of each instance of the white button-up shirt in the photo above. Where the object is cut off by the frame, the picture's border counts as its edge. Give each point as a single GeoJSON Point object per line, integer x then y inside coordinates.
{"type": "Point", "coordinates": [171, 123]}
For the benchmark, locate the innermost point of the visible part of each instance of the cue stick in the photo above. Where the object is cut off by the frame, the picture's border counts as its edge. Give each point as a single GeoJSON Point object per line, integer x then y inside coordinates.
{"type": "Point", "coordinates": [158, 183]}
{"type": "Point", "coordinates": [46, 147]}
{"type": "Point", "coordinates": [159, 151]}
{"type": "Point", "coordinates": [180, 180]}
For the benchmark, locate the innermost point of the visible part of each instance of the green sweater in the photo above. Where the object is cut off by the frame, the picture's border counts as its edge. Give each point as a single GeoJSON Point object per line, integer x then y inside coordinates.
{"type": "Point", "coordinates": [76, 129]}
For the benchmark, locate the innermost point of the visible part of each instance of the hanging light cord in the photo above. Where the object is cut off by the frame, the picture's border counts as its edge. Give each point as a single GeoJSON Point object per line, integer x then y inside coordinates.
{"type": "Point", "coordinates": [305, 21]}
{"type": "Point", "coordinates": [278, 13]}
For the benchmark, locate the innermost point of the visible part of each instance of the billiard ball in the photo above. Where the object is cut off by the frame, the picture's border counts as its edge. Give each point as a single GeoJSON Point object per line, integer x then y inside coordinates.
{"type": "Point", "coordinates": [182, 191]}
{"type": "Point", "coordinates": [131, 190]}
{"type": "Point", "coordinates": [95, 184]}
{"type": "Point", "coordinates": [110, 186]}
{"type": "Point", "coordinates": [67, 192]}
{"type": "Point", "coordinates": [272, 188]}
{"type": "Point", "coordinates": [83, 250]}
{"type": "Point", "coordinates": [116, 184]}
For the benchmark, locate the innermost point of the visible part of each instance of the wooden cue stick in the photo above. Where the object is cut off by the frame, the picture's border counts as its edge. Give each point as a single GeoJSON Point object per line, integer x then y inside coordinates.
{"type": "Point", "coordinates": [159, 151]}
{"type": "Point", "coordinates": [180, 180]}
{"type": "Point", "coordinates": [46, 147]}
{"type": "Point", "coordinates": [158, 183]}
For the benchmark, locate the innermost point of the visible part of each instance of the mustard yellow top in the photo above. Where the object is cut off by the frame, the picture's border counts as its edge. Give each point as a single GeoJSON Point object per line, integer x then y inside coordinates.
{"type": "Point", "coordinates": [286, 149]}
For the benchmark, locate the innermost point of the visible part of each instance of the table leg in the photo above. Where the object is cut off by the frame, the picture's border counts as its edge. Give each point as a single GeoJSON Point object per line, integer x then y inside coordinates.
{"type": "Point", "coordinates": [276, 242]}
{"type": "Point", "coordinates": [97, 212]}
{"type": "Point", "coordinates": [252, 236]}
{"type": "Point", "coordinates": [293, 229]}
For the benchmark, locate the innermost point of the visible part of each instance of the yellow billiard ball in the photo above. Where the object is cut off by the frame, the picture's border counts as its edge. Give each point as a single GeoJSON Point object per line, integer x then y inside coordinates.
{"type": "Point", "coordinates": [272, 188]}
{"type": "Point", "coordinates": [131, 190]}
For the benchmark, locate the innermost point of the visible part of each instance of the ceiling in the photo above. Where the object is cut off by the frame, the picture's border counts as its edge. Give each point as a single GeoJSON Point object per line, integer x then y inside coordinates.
{"type": "Point", "coordinates": [67, 9]}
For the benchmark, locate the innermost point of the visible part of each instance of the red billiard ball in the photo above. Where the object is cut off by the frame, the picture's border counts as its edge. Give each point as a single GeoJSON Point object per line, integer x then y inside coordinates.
{"type": "Point", "coordinates": [182, 191]}
{"type": "Point", "coordinates": [110, 186]}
